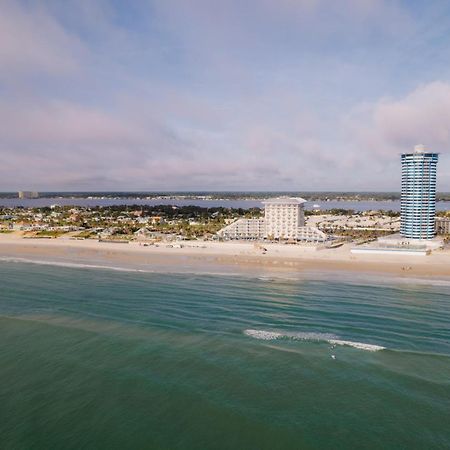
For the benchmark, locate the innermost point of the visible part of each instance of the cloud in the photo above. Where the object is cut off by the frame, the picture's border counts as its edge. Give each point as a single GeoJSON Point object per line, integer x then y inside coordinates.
{"type": "Point", "coordinates": [31, 40]}
{"type": "Point", "coordinates": [55, 143]}
{"type": "Point", "coordinates": [60, 122]}
{"type": "Point", "coordinates": [395, 125]}
{"type": "Point", "coordinates": [262, 94]}
{"type": "Point", "coordinates": [422, 116]}
{"type": "Point", "coordinates": [375, 134]}
{"type": "Point", "coordinates": [179, 143]}
{"type": "Point", "coordinates": [60, 143]}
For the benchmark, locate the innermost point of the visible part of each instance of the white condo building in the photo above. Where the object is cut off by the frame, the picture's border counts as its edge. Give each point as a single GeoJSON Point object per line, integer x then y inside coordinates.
{"type": "Point", "coordinates": [284, 219]}
{"type": "Point", "coordinates": [283, 216]}
{"type": "Point", "coordinates": [244, 229]}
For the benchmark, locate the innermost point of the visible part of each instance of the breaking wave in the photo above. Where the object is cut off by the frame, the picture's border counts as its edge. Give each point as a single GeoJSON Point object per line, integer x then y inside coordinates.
{"type": "Point", "coordinates": [71, 265]}
{"type": "Point", "coordinates": [358, 345]}
{"type": "Point", "coordinates": [305, 336]}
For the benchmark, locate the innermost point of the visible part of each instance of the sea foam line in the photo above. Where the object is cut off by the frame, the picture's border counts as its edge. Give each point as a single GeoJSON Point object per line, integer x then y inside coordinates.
{"type": "Point", "coordinates": [305, 336]}
{"type": "Point", "coordinates": [358, 345]}
{"type": "Point", "coordinates": [71, 265]}
{"type": "Point", "coordinates": [154, 270]}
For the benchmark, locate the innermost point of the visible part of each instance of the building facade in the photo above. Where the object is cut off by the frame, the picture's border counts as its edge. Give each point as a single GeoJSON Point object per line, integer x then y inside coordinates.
{"type": "Point", "coordinates": [28, 194]}
{"type": "Point", "coordinates": [244, 229]}
{"type": "Point", "coordinates": [418, 197]}
{"type": "Point", "coordinates": [283, 217]}
{"type": "Point", "coordinates": [442, 225]}
{"type": "Point", "coordinates": [283, 220]}
{"type": "Point", "coordinates": [311, 234]}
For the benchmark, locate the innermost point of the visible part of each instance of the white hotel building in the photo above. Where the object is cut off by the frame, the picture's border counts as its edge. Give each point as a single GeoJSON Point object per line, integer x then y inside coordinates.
{"type": "Point", "coordinates": [284, 219]}
{"type": "Point", "coordinates": [283, 216]}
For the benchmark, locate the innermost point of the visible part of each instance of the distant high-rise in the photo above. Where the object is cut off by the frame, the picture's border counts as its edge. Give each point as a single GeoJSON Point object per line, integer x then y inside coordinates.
{"type": "Point", "coordinates": [418, 199]}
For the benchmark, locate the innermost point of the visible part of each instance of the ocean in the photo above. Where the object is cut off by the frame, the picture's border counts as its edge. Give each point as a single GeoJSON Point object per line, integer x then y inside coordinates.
{"type": "Point", "coordinates": [110, 359]}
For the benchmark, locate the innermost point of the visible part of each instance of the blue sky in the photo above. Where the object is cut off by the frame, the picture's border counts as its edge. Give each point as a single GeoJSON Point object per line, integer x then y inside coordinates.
{"type": "Point", "coordinates": [231, 95]}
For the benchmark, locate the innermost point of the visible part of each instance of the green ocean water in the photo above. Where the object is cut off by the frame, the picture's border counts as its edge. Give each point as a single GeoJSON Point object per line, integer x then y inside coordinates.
{"type": "Point", "coordinates": [103, 359]}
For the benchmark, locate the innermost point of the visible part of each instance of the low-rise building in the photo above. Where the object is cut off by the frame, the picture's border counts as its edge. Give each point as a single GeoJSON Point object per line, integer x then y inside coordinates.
{"type": "Point", "coordinates": [311, 234]}
{"type": "Point", "coordinates": [244, 229]}
{"type": "Point", "coordinates": [442, 225]}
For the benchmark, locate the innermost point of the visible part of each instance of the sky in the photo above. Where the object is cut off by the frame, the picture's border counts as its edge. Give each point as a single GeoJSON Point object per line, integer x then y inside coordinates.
{"type": "Point", "coordinates": [303, 95]}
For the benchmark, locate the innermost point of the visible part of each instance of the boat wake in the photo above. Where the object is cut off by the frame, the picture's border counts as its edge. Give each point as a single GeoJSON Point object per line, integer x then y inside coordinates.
{"type": "Point", "coordinates": [305, 336]}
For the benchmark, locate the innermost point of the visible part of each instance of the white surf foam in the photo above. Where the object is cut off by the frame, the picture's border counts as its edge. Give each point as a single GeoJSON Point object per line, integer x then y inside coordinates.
{"type": "Point", "coordinates": [299, 336]}
{"type": "Point", "coordinates": [311, 336]}
{"type": "Point", "coordinates": [263, 335]}
{"type": "Point", "coordinates": [358, 345]}
{"type": "Point", "coordinates": [155, 269]}
{"type": "Point", "coordinates": [68, 264]}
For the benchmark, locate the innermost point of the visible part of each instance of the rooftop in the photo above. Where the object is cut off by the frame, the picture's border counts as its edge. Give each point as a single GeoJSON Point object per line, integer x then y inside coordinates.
{"type": "Point", "coordinates": [285, 201]}
{"type": "Point", "coordinates": [420, 148]}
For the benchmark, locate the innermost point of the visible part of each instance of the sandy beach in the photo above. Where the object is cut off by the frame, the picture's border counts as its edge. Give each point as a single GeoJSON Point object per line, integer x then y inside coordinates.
{"type": "Point", "coordinates": [199, 256]}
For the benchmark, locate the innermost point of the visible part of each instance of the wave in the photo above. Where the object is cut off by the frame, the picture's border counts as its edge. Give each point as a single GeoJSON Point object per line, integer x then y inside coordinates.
{"type": "Point", "coordinates": [358, 345]}
{"type": "Point", "coordinates": [311, 336]}
{"type": "Point", "coordinates": [154, 270]}
{"type": "Point", "coordinates": [366, 279]}
{"type": "Point", "coordinates": [69, 264]}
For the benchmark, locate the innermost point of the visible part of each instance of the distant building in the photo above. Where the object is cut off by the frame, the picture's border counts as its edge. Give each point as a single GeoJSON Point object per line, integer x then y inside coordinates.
{"type": "Point", "coordinates": [418, 197]}
{"type": "Point", "coordinates": [144, 234]}
{"type": "Point", "coordinates": [28, 194]}
{"type": "Point", "coordinates": [442, 225]}
{"type": "Point", "coordinates": [283, 220]}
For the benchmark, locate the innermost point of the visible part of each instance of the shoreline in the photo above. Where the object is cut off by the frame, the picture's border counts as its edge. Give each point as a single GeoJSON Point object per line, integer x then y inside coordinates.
{"type": "Point", "coordinates": [225, 257]}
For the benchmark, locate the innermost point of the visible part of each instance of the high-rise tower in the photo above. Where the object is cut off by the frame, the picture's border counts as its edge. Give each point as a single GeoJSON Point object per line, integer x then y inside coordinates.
{"type": "Point", "coordinates": [418, 199]}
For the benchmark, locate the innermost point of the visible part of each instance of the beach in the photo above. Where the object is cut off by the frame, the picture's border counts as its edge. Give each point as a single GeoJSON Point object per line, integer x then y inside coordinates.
{"type": "Point", "coordinates": [217, 257]}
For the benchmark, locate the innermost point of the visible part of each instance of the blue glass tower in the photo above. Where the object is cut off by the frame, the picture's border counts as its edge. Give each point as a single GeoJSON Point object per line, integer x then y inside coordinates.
{"type": "Point", "coordinates": [418, 199]}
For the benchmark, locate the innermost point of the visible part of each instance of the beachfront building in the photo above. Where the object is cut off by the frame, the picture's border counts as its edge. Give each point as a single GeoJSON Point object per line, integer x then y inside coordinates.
{"type": "Point", "coordinates": [442, 225]}
{"type": "Point", "coordinates": [284, 219]}
{"type": "Point", "coordinates": [418, 197]}
{"type": "Point", "coordinates": [311, 234]}
{"type": "Point", "coordinates": [244, 229]}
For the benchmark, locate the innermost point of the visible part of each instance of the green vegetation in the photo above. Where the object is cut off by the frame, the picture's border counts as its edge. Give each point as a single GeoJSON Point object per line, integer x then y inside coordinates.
{"type": "Point", "coordinates": [50, 234]}
{"type": "Point", "coordinates": [87, 234]}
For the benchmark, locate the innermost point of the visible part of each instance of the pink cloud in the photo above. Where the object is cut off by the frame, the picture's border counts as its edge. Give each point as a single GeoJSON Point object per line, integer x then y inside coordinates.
{"type": "Point", "coordinates": [31, 40]}
{"type": "Point", "coordinates": [62, 122]}
{"type": "Point", "coordinates": [422, 116]}
{"type": "Point", "coordinates": [392, 126]}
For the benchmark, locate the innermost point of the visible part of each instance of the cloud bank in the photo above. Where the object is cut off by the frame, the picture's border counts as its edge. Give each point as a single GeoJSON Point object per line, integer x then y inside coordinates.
{"type": "Point", "coordinates": [257, 95]}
